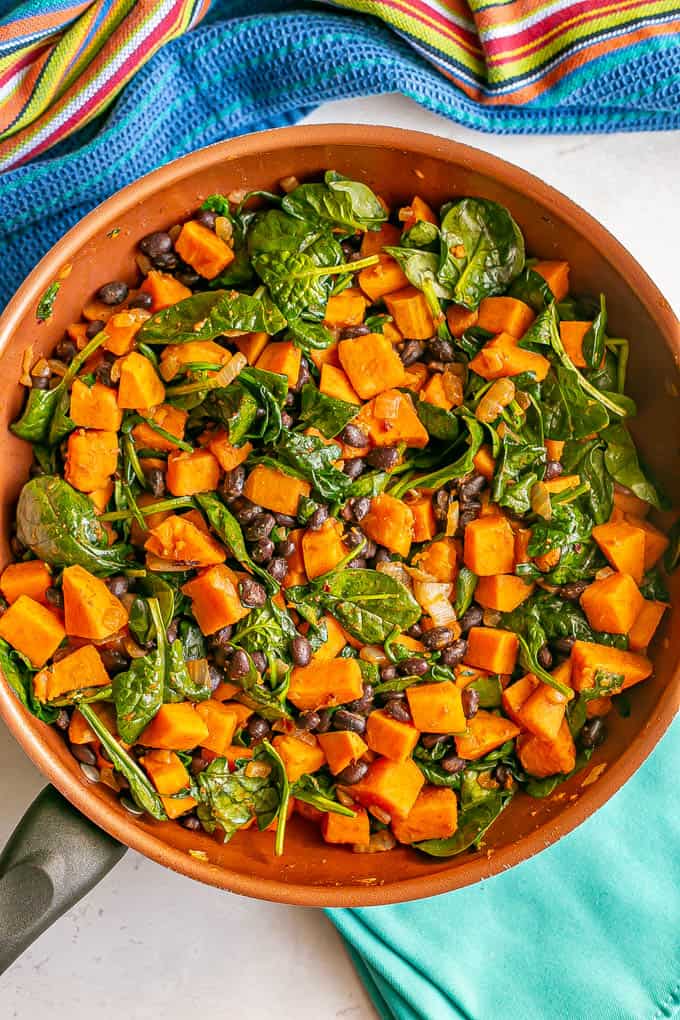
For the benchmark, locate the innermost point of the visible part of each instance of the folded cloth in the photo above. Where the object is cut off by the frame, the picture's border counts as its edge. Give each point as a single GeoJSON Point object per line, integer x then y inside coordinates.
{"type": "Point", "coordinates": [509, 66]}
{"type": "Point", "coordinates": [587, 930]}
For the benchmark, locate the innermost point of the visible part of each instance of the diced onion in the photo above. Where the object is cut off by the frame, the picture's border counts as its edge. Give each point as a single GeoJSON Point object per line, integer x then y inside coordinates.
{"type": "Point", "coordinates": [236, 196]}
{"type": "Point", "coordinates": [224, 230]}
{"type": "Point", "coordinates": [435, 599]}
{"type": "Point", "coordinates": [26, 362]}
{"type": "Point", "coordinates": [257, 769]}
{"type": "Point", "coordinates": [373, 653]}
{"type": "Point", "coordinates": [199, 672]}
{"type": "Point", "coordinates": [603, 572]}
{"type": "Point", "coordinates": [381, 815]}
{"type": "Point", "coordinates": [289, 184]}
{"type": "Point", "coordinates": [396, 570]}
{"type": "Point", "coordinates": [491, 618]}
{"type": "Point", "coordinates": [228, 373]}
{"type": "Point", "coordinates": [134, 650]}
{"type": "Point", "coordinates": [379, 842]}
{"type": "Point", "coordinates": [452, 518]}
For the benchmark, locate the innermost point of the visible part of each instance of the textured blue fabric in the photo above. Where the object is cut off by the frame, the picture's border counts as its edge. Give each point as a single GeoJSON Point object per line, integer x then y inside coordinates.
{"type": "Point", "coordinates": [238, 73]}
{"type": "Point", "coordinates": [587, 930]}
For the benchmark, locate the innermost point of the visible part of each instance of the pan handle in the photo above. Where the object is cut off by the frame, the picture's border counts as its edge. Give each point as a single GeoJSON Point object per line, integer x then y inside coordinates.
{"type": "Point", "coordinates": [54, 856]}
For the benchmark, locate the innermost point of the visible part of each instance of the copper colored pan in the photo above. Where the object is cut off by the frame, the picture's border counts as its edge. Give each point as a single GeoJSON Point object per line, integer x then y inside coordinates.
{"type": "Point", "coordinates": [398, 163]}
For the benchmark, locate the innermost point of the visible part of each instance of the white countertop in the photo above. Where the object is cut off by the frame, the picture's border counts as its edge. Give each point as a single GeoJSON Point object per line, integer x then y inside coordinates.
{"type": "Point", "coordinates": [154, 946]}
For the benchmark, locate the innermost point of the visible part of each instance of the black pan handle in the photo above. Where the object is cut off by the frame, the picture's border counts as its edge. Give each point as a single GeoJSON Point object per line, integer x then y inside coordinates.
{"type": "Point", "coordinates": [54, 856]}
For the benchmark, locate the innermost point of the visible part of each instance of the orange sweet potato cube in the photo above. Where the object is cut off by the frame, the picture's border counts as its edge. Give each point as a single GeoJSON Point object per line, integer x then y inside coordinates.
{"type": "Point", "coordinates": [492, 649]}
{"type": "Point", "coordinates": [189, 473]}
{"type": "Point", "coordinates": [433, 816]}
{"type": "Point", "coordinates": [172, 419]}
{"type": "Point", "coordinates": [411, 313]}
{"type": "Point", "coordinates": [391, 418]}
{"type": "Point", "coordinates": [78, 671]}
{"type": "Point", "coordinates": [180, 541]}
{"type": "Point", "coordinates": [31, 577]}
{"type": "Point", "coordinates": [373, 241]}
{"type": "Point", "coordinates": [572, 335]}
{"type": "Point", "coordinates": [214, 598]}
{"type": "Point", "coordinates": [390, 785]}
{"type": "Point", "coordinates": [489, 546]}
{"type": "Point", "coordinates": [275, 490]}
{"type": "Point", "coordinates": [460, 319]}
{"type": "Point", "coordinates": [122, 328]}
{"type": "Point", "coordinates": [434, 392]}
{"type": "Point", "coordinates": [336, 639]}
{"type": "Point", "coordinates": [502, 592]}
{"type": "Point", "coordinates": [222, 722]}
{"type": "Point", "coordinates": [323, 549]}
{"type": "Point", "coordinates": [436, 708]}
{"type": "Point", "coordinates": [167, 771]}
{"type": "Point", "coordinates": [203, 250]}
{"type": "Point", "coordinates": [342, 748]}
{"type": "Point", "coordinates": [299, 757]}
{"type": "Point", "coordinates": [282, 357]}
{"type": "Point", "coordinates": [440, 559]}
{"type": "Point", "coordinates": [424, 523]}
{"type": "Point", "coordinates": [32, 629]}
{"type": "Point", "coordinates": [505, 315]}
{"type": "Point", "coordinates": [176, 357]}
{"type": "Point", "coordinates": [139, 386]}
{"type": "Point", "coordinates": [371, 363]}
{"type": "Point", "coordinates": [346, 308]}
{"type": "Point", "coordinates": [251, 345]}
{"type": "Point", "coordinates": [656, 542]}
{"type": "Point", "coordinates": [383, 278]}
{"type": "Point", "coordinates": [624, 546]}
{"type": "Point", "coordinates": [175, 727]}
{"type": "Point", "coordinates": [485, 731]}
{"type": "Point", "coordinates": [502, 357]}
{"type": "Point", "coordinates": [588, 658]}
{"type": "Point", "coordinates": [95, 407]}
{"type": "Point", "coordinates": [323, 684]}
{"type": "Point", "coordinates": [334, 382]}
{"type": "Point", "coordinates": [556, 275]}
{"type": "Point", "coordinates": [543, 711]}
{"type": "Point", "coordinates": [164, 289]}
{"type": "Point", "coordinates": [546, 758]}
{"type": "Point", "coordinates": [612, 603]}
{"type": "Point", "coordinates": [228, 456]}
{"type": "Point", "coordinates": [644, 628]}
{"type": "Point", "coordinates": [390, 522]}
{"type": "Point", "coordinates": [515, 696]}
{"type": "Point", "coordinates": [91, 459]}
{"type": "Point", "coordinates": [390, 737]}
{"type": "Point", "coordinates": [90, 609]}
{"type": "Point", "coordinates": [337, 828]}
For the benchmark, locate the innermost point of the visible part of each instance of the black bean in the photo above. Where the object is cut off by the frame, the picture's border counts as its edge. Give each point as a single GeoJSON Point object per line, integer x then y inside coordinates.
{"type": "Point", "coordinates": [381, 556]}
{"type": "Point", "coordinates": [246, 511]}
{"type": "Point", "coordinates": [290, 398]}
{"type": "Point", "coordinates": [470, 700]}
{"type": "Point", "coordinates": [363, 704]}
{"type": "Point", "coordinates": [221, 637]}
{"type": "Point", "coordinates": [190, 822]}
{"type": "Point", "coordinates": [304, 375]}
{"type": "Point", "coordinates": [84, 754]}
{"type": "Point", "coordinates": [156, 244]}
{"type": "Point", "coordinates": [452, 764]}
{"type": "Point", "coordinates": [262, 551]}
{"type": "Point", "coordinates": [156, 481]}
{"type": "Point", "coordinates": [415, 630]}
{"type": "Point", "coordinates": [308, 720]}
{"type": "Point", "coordinates": [198, 764]}
{"type": "Point", "coordinates": [113, 293]}
{"type": "Point", "coordinates": [63, 719]}
{"type": "Point", "coordinates": [260, 527]}
{"type": "Point", "coordinates": [358, 563]}
{"type": "Point", "coordinates": [353, 773]}
{"type": "Point", "coordinates": [66, 350]}
{"type": "Point", "coordinates": [207, 218]}
{"type": "Point", "coordinates": [221, 656]}
{"type": "Point", "coordinates": [188, 276]}
{"type": "Point", "coordinates": [239, 665]}
{"type": "Point", "coordinates": [430, 740]}
{"type": "Point", "coordinates": [318, 518]}
{"type": "Point", "coordinates": [287, 420]}
{"type": "Point", "coordinates": [370, 549]}
{"type": "Point", "coordinates": [215, 677]}
{"type": "Point", "coordinates": [344, 720]}
{"type": "Point", "coordinates": [352, 435]}
{"type": "Point", "coordinates": [325, 719]}
{"type": "Point", "coordinates": [413, 666]}
{"type": "Point", "coordinates": [141, 300]}
{"type": "Point", "coordinates": [573, 590]}
{"type": "Point", "coordinates": [40, 382]}
{"type": "Point", "coordinates": [468, 515]}
{"type": "Point", "coordinates": [118, 585]}
{"type": "Point", "coordinates": [398, 709]}
{"type": "Point", "coordinates": [544, 657]}
{"type": "Point", "coordinates": [388, 672]}
{"type": "Point", "coordinates": [471, 487]}
{"type": "Point", "coordinates": [472, 617]}
{"type": "Point", "coordinates": [285, 548]}
{"type": "Point", "coordinates": [351, 332]}
{"type": "Point", "coordinates": [300, 651]}
{"type": "Point", "coordinates": [360, 507]}
{"type": "Point", "coordinates": [454, 654]}
{"type": "Point", "coordinates": [259, 661]}
{"type": "Point", "coordinates": [94, 327]}
{"type": "Point", "coordinates": [251, 593]}
{"type": "Point", "coordinates": [441, 350]}
{"type": "Point", "coordinates": [564, 645]}
{"type": "Point", "coordinates": [411, 352]}
{"type": "Point", "coordinates": [384, 458]}
{"type": "Point", "coordinates": [113, 660]}
{"type": "Point", "coordinates": [285, 520]}
{"type": "Point", "coordinates": [167, 261]}
{"type": "Point", "coordinates": [594, 732]}
{"type": "Point", "coordinates": [353, 467]}
{"type": "Point", "coordinates": [102, 373]}
{"type": "Point", "coordinates": [278, 568]}
{"type": "Point", "coordinates": [438, 638]}
{"type": "Point", "coordinates": [233, 482]}
{"type": "Point", "coordinates": [55, 597]}
{"type": "Point", "coordinates": [553, 469]}
{"type": "Point", "coordinates": [258, 728]}
{"type": "Point", "coordinates": [440, 503]}
{"type": "Point", "coordinates": [502, 774]}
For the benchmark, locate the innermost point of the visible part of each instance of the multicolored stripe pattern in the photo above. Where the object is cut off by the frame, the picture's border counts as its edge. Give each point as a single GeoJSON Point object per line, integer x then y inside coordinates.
{"type": "Point", "coordinates": [62, 62]}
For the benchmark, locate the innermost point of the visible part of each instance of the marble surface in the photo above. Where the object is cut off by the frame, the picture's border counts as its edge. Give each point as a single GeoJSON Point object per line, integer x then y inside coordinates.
{"type": "Point", "coordinates": [154, 946]}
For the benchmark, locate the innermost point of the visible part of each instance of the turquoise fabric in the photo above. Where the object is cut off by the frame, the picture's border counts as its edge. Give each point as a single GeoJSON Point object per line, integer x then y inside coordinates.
{"type": "Point", "coordinates": [587, 930]}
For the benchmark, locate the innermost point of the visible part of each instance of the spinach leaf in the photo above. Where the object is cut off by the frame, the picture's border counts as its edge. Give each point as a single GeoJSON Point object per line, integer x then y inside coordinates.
{"type": "Point", "coordinates": [423, 235]}
{"type": "Point", "coordinates": [473, 822]}
{"type": "Point", "coordinates": [229, 800]}
{"type": "Point", "coordinates": [138, 692]}
{"type": "Point", "coordinates": [273, 230]}
{"type": "Point", "coordinates": [60, 525]}
{"type": "Point", "coordinates": [141, 789]}
{"type": "Point", "coordinates": [419, 266]}
{"type": "Point", "coordinates": [267, 628]}
{"type": "Point", "coordinates": [440, 423]}
{"type": "Point", "coordinates": [462, 466]}
{"type": "Point", "coordinates": [482, 250]}
{"type": "Point", "coordinates": [282, 788]}
{"type": "Point", "coordinates": [540, 788]}
{"type": "Point", "coordinates": [191, 639]}
{"type": "Point", "coordinates": [18, 674]}
{"type": "Point", "coordinates": [532, 289]}
{"type": "Point", "coordinates": [593, 341]}
{"type": "Point", "coordinates": [588, 460]}
{"type": "Point", "coordinates": [654, 587]}
{"type": "Point", "coordinates": [233, 406]}
{"type": "Point", "coordinates": [327, 414]}
{"type": "Point", "coordinates": [489, 690]}
{"type": "Point", "coordinates": [311, 459]}
{"type": "Point", "coordinates": [269, 391]}
{"type": "Point", "coordinates": [46, 303]}
{"type": "Point", "coordinates": [239, 271]}
{"type": "Point", "coordinates": [372, 483]}
{"type": "Point", "coordinates": [310, 336]}
{"type": "Point", "coordinates": [369, 604]}
{"type": "Point", "coordinates": [179, 685]}
{"type": "Point", "coordinates": [466, 582]}
{"type": "Point", "coordinates": [568, 525]}
{"type": "Point", "coordinates": [301, 282]}
{"type": "Point", "coordinates": [622, 463]}
{"type": "Point", "coordinates": [338, 201]}
{"type": "Point", "coordinates": [140, 622]}
{"type": "Point", "coordinates": [568, 413]}
{"type": "Point", "coordinates": [518, 469]}
{"type": "Point", "coordinates": [229, 532]}
{"type": "Point", "coordinates": [540, 332]}
{"type": "Point", "coordinates": [318, 791]}
{"type": "Point", "coordinates": [211, 314]}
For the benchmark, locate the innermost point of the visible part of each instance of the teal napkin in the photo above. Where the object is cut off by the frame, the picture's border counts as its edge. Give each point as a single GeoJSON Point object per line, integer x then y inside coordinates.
{"type": "Point", "coordinates": [587, 930]}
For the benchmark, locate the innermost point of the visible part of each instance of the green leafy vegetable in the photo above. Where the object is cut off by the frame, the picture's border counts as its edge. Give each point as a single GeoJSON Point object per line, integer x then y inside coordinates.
{"type": "Point", "coordinates": [211, 314]}
{"type": "Point", "coordinates": [228, 530]}
{"type": "Point", "coordinates": [327, 414]}
{"type": "Point", "coordinates": [337, 201]}
{"type": "Point", "coordinates": [229, 800]}
{"type": "Point", "coordinates": [369, 604]}
{"type": "Point", "coordinates": [46, 303]}
{"type": "Point", "coordinates": [622, 463]}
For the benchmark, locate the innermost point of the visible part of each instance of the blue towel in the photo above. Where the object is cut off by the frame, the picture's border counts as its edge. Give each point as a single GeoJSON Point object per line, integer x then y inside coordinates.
{"type": "Point", "coordinates": [587, 930]}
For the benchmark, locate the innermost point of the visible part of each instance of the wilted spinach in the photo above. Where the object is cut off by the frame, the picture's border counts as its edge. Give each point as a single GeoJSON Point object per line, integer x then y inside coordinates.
{"type": "Point", "coordinates": [211, 314]}
{"type": "Point", "coordinates": [466, 582]}
{"type": "Point", "coordinates": [338, 201]}
{"type": "Point", "coordinates": [309, 458]}
{"type": "Point", "coordinates": [228, 530]}
{"type": "Point", "coordinates": [327, 414]}
{"type": "Point", "coordinates": [622, 463]}
{"type": "Point", "coordinates": [229, 800]}
{"type": "Point", "coordinates": [369, 604]}
{"type": "Point", "coordinates": [18, 674]}
{"type": "Point", "coordinates": [593, 341]}
{"type": "Point", "coordinates": [532, 289]}
{"type": "Point", "coordinates": [440, 423]}
{"type": "Point", "coordinates": [318, 791]}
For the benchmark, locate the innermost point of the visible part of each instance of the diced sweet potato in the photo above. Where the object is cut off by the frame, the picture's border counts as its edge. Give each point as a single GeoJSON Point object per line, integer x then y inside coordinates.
{"type": "Point", "coordinates": [562, 483]}
{"type": "Point", "coordinates": [505, 315]}
{"type": "Point", "coordinates": [214, 598]}
{"type": "Point", "coordinates": [373, 241]}
{"type": "Point", "coordinates": [95, 407]}
{"type": "Point", "coordinates": [554, 448]}
{"type": "Point", "coordinates": [122, 328]}
{"type": "Point", "coordinates": [328, 356]}
{"type": "Point", "coordinates": [543, 758]}
{"type": "Point", "coordinates": [324, 684]}
{"type": "Point", "coordinates": [485, 731]}
{"type": "Point", "coordinates": [323, 549]}
{"type": "Point", "coordinates": [589, 658]}
{"type": "Point", "coordinates": [390, 737]}
{"type": "Point", "coordinates": [179, 540]}
{"type": "Point", "coordinates": [175, 727]}
{"type": "Point", "coordinates": [80, 732]}
{"type": "Point", "coordinates": [296, 565]}
{"type": "Point", "coordinates": [572, 335]}
{"type": "Point", "coordinates": [390, 785]}
{"type": "Point", "coordinates": [167, 771]}
{"type": "Point", "coordinates": [515, 696]}
{"type": "Point", "coordinates": [101, 497]}
{"type": "Point", "coordinates": [298, 756]}
{"type": "Point", "coordinates": [543, 711]}
{"type": "Point", "coordinates": [342, 747]}
{"type": "Point", "coordinates": [32, 629]}
{"type": "Point", "coordinates": [275, 490]}
{"type": "Point", "coordinates": [411, 313]}
{"type": "Point", "coordinates": [164, 289]}
{"type": "Point", "coordinates": [228, 456]}
{"type": "Point", "coordinates": [222, 722]}
{"type": "Point", "coordinates": [460, 319]}
{"type": "Point", "coordinates": [189, 473]}
{"type": "Point", "coordinates": [139, 386]}
{"type": "Point", "coordinates": [383, 278]}
{"type": "Point", "coordinates": [390, 522]}
{"type": "Point", "coordinates": [203, 250]}
{"type": "Point", "coordinates": [644, 628]}
{"type": "Point", "coordinates": [91, 459]}
{"type": "Point", "coordinates": [489, 546]}
{"type": "Point", "coordinates": [175, 357]}
{"type": "Point", "coordinates": [346, 308]}
{"type": "Point", "coordinates": [433, 816]}
{"type": "Point", "coordinates": [424, 523]}
{"type": "Point", "coordinates": [335, 641]}
{"type": "Point", "coordinates": [502, 357]}
{"type": "Point", "coordinates": [656, 542]}
{"type": "Point", "coordinates": [334, 382]}
{"type": "Point", "coordinates": [492, 649]}
{"type": "Point", "coordinates": [439, 559]}
{"type": "Point", "coordinates": [484, 462]}
{"type": "Point", "coordinates": [556, 275]}
{"type": "Point", "coordinates": [337, 828]}
{"type": "Point", "coordinates": [436, 708]}
{"type": "Point", "coordinates": [172, 419]}
{"type": "Point", "coordinates": [371, 363]}
{"type": "Point", "coordinates": [624, 546]}
{"type": "Point", "coordinates": [282, 357]}
{"type": "Point", "coordinates": [31, 578]}
{"type": "Point", "coordinates": [435, 392]}
{"type": "Point", "coordinates": [629, 503]}
{"type": "Point", "coordinates": [418, 211]}
{"type": "Point", "coordinates": [613, 603]}
{"type": "Point", "coordinates": [251, 345]}
{"type": "Point", "coordinates": [503, 592]}
{"type": "Point", "coordinates": [391, 420]}
{"type": "Point", "coordinates": [90, 609]}
{"type": "Point", "coordinates": [78, 671]}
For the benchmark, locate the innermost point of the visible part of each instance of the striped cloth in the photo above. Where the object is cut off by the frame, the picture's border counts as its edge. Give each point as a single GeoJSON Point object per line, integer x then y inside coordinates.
{"type": "Point", "coordinates": [62, 62]}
